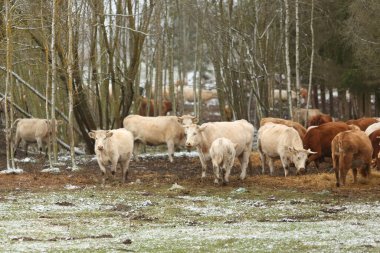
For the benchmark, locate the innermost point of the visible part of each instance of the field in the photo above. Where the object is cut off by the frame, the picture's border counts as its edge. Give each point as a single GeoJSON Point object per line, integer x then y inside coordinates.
{"type": "Point", "coordinates": [165, 207]}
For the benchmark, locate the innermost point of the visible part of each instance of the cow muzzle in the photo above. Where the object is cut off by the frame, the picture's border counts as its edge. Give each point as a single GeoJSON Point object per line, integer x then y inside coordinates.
{"type": "Point", "coordinates": [301, 171]}
{"type": "Point", "coordinates": [100, 148]}
{"type": "Point", "coordinates": [188, 145]}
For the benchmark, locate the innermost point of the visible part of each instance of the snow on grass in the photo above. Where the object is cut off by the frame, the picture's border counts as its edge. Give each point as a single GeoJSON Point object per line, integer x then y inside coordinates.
{"type": "Point", "coordinates": [12, 171]}
{"type": "Point", "coordinates": [98, 219]}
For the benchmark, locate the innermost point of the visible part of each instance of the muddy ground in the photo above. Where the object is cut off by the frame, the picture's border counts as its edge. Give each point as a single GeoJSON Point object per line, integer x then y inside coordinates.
{"type": "Point", "coordinates": [72, 212]}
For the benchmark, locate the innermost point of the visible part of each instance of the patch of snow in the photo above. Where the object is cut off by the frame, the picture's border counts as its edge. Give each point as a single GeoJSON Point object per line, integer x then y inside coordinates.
{"type": "Point", "coordinates": [71, 187]}
{"type": "Point", "coordinates": [53, 170]}
{"type": "Point", "coordinates": [176, 186]}
{"type": "Point", "coordinates": [12, 171]}
{"type": "Point", "coordinates": [25, 160]}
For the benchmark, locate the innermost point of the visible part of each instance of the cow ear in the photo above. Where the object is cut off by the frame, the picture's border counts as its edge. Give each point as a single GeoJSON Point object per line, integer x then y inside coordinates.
{"type": "Point", "coordinates": [202, 128]}
{"type": "Point", "coordinates": [91, 134]}
{"type": "Point", "coordinates": [109, 134]}
{"type": "Point", "coordinates": [195, 120]}
{"type": "Point", "coordinates": [180, 119]}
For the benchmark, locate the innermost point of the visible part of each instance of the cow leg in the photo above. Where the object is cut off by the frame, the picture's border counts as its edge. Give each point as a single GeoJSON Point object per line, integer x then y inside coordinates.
{"type": "Point", "coordinates": [285, 164]}
{"type": "Point", "coordinates": [39, 144]}
{"type": "Point", "coordinates": [263, 161]}
{"type": "Point", "coordinates": [136, 149]}
{"type": "Point", "coordinates": [347, 162]}
{"type": "Point", "coordinates": [315, 158]}
{"type": "Point", "coordinates": [170, 145]}
{"type": "Point", "coordinates": [244, 159]}
{"type": "Point", "coordinates": [270, 162]}
{"type": "Point", "coordinates": [203, 162]}
{"type": "Point", "coordinates": [104, 172]}
{"type": "Point", "coordinates": [17, 142]}
{"type": "Point", "coordinates": [125, 165]}
{"type": "Point", "coordinates": [216, 173]}
{"type": "Point", "coordinates": [355, 174]}
{"type": "Point", "coordinates": [336, 169]}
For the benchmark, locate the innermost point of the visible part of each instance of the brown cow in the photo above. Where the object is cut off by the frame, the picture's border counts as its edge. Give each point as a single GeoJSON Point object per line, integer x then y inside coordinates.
{"type": "Point", "coordinates": [143, 107]}
{"type": "Point", "coordinates": [351, 149]}
{"type": "Point", "coordinates": [319, 119]}
{"type": "Point", "coordinates": [297, 126]}
{"type": "Point", "coordinates": [375, 140]}
{"type": "Point", "coordinates": [319, 139]}
{"type": "Point", "coordinates": [299, 114]}
{"type": "Point", "coordinates": [362, 123]}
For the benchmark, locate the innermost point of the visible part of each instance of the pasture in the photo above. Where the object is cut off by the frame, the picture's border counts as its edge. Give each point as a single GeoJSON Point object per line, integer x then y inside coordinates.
{"type": "Point", "coordinates": [71, 212]}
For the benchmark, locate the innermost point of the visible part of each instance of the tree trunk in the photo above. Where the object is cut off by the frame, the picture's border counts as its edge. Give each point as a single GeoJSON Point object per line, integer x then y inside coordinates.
{"type": "Point", "coordinates": [287, 56]}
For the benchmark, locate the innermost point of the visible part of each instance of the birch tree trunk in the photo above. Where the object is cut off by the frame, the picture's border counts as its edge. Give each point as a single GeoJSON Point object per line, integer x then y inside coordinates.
{"type": "Point", "coordinates": [53, 79]}
{"type": "Point", "coordinates": [8, 87]}
{"type": "Point", "coordinates": [297, 56]}
{"type": "Point", "coordinates": [311, 59]}
{"type": "Point", "coordinates": [70, 84]}
{"type": "Point", "coordinates": [287, 60]}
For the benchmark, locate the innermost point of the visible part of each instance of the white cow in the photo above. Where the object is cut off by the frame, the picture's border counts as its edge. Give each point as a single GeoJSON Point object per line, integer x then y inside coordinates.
{"type": "Point", "coordinates": [113, 147]}
{"type": "Point", "coordinates": [280, 141]}
{"type": "Point", "coordinates": [222, 152]}
{"type": "Point", "coordinates": [372, 128]}
{"type": "Point", "coordinates": [239, 132]}
{"type": "Point", "coordinates": [155, 131]}
{"type": "Point", "coordinates": [33, 131]}
{"type": "Point", "coordinates": [187, 120]}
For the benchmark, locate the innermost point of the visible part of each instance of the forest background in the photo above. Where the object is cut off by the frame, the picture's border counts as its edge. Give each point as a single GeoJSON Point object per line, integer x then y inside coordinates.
{"type": "Point", "coordinates": [88, 59]}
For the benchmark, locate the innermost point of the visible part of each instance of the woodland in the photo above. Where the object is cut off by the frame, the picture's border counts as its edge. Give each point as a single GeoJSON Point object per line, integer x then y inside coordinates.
{"type": "Point", "coordinates": [83, 62]}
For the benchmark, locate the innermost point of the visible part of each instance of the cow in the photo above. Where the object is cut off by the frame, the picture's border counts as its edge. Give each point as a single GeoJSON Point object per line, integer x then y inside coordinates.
{"type": "Point", "coordinates": [280, 141]}
{"type": "Point", "coordinates": [297, 126]}
{"type": "Point", "coordinates": [166, 107]}
{"type": "Point", "coordinates": [319, 119]}
{"type": "Point", "coordinates": [319, 140]}
{"type": "Point", "coordinates": [299, 114]}
{"type": "Point", "coordinates": [113, 147]}
{"type": "Point", "coordinates": [222, 153]}
{"type": "Point", "coordinates": [372, 128]}
{"type": "Point", "coordinates": [351, 149]}
{"type": "Point", "coordinates": [228, 113]}
{"type": "Point", "coordinates": [155, 131]}
{"type": "Point", "coordinates": [283, 94]}
{"type": "Point", "coordinates": [187, 120]}
{"type": "Point", "coordinates": [375, 141]}
{"type": "Point", "coordinates": [33, 130]}
{"type": "Point", "coordinates": [239, 132]}
{"type": "Point", "coordinates": [362, 123]}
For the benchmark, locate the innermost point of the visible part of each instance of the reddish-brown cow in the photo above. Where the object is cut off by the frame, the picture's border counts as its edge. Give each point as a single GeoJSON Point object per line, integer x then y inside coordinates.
{"type": "Point", "coordinates": [362, 123]}
{"type": "Point", "coordinates": [320, 119]}
{"type": "Point", "coordinates": [143, 108]}
{"type": "Point", "coordinates": [375, 140]}
{"type": "Point", "coordinates": [319, 139]}
{"type": "Point", "coordinates": [351, 149]}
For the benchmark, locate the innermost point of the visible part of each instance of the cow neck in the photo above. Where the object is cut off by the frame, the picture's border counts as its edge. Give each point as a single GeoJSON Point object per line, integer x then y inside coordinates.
{"type": "Point", "coordinates": [205, 144]}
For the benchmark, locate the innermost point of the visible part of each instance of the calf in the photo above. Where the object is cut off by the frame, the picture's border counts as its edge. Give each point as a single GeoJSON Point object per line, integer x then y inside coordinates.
{"type": "Point", "coordinates": [33, 131]}
{"type": "Point", "coordinates": [351, 149]}
{"type": "Point", "coordinates": [155, 131]}
{"type": "Point", "coordinates": [222, 153]}
{"type": "Point", "coordinates": [239, 132]}
{"type": "Point", "coordinates": [113, 147]}
{"type": "Point", "coordinates": [280, 141]}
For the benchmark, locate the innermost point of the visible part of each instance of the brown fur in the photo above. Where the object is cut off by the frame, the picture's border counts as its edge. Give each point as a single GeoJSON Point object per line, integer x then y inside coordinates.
{"type": "Point", "coordinates": [143, 107]}
{"type": "Point", "coordinates": [362, 123]}
{"type": "Point", "coordinates": [375, 141]}
{"type": "Point", "coordinates": [319, 139]}
{"type": "Point", "coordinates": [320, 119]}
{"type": "Point", "coordinates": [351, 149]}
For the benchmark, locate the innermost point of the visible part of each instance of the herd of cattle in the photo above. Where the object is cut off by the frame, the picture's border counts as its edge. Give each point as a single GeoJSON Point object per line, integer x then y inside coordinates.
{"type": "Point", "coordinates": [351, 144]}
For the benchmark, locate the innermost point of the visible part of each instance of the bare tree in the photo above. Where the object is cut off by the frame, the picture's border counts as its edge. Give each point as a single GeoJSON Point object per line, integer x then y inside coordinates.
{"type": "Point", "coordinates": [288, 72]}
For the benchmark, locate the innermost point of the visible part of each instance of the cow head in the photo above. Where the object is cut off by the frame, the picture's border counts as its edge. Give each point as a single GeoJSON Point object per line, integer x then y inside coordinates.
{"type": "Point", "coordinates": [299, 157]}
{"type": "Point", "coordinates": [100, 137]}
{"type": "Point", "coordinates": [193, 135]}
{"type": "Point", "coordinates": [187, 120]}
